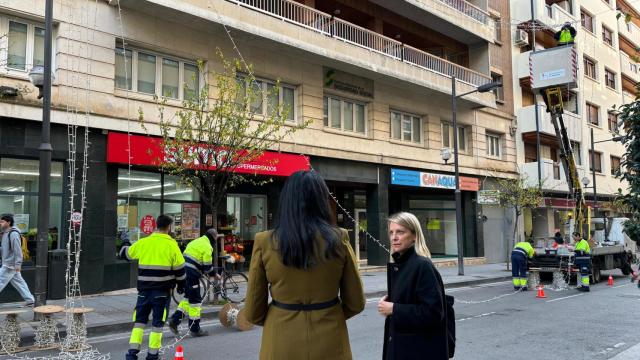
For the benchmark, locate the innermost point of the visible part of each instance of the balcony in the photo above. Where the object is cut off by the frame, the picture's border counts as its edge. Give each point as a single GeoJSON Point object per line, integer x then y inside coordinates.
{"type": "Point", "coordinates": [338, 29]}
{"type": "Point", "coordinates": [550, 15]}
{"type": "Point", "coordinates": [553, 177]}
{"type": "Point", "coordinates": [629, 67]}
{"type": "Point", "coordinates": [527, 124]}
{"type": "Point", "coordinates": [459, 19]}
{"type": "Point", "coordinates": [629, 31]}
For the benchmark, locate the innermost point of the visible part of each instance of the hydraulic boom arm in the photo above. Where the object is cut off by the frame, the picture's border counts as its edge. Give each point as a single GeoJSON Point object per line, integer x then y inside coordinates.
{"type": "Point", "coordinates": [553, 97]}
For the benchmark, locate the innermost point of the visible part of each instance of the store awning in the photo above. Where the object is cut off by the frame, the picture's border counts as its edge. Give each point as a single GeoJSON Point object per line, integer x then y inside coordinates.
{"type": "Point", "coordinates": [148, 151]}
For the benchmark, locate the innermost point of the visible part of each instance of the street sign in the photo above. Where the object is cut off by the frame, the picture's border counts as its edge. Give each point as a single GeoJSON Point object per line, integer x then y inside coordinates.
{"type": "Point", "coordinates": [76, 218]}
{"type": "Point", "coordinates": [489, 197]}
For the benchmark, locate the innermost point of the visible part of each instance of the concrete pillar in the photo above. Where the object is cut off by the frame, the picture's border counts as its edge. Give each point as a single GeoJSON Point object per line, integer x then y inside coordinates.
{"type": "Point", "coordinates": [377, 214]}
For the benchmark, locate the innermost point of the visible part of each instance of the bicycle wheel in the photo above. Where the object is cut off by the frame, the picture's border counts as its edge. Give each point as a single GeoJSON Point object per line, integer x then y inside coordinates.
{"type": "Point", "coordinates": [234, 287]}
{"type": "Point", "coordinates": [204, 289]}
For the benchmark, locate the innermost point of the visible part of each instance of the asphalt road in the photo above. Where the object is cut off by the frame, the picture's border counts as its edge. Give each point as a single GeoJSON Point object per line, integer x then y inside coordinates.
{"type": "Point", "coordinates": [567, 324]}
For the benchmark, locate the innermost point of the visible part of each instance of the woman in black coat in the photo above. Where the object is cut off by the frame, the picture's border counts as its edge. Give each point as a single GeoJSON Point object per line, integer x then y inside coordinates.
{"type": "Point", "coordinates": [415, 327]}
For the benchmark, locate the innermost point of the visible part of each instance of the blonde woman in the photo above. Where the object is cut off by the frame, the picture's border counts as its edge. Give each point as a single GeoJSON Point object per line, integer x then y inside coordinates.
{"type": "Point", "coordinates": [415, 311]}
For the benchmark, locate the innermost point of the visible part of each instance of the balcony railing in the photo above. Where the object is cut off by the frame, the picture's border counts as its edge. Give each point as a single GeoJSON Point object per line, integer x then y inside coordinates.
{"type": "Point", "coordinates": [328, 25]}
{"type": "Point", "coordinates": [468, 9]}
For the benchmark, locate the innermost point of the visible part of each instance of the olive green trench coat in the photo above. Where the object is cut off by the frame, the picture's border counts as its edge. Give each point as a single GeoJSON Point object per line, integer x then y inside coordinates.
{"type": "Point", "coordinates": [303, 335]}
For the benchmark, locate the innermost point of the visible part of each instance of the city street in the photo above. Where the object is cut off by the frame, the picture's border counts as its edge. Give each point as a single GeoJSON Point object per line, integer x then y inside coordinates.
{"type": "Point", "coordinates": [513, 327]}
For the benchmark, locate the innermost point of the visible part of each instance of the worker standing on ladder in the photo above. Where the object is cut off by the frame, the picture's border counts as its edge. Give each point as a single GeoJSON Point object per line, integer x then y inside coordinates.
{"type": "Point", "coordinates": [519, 258]}
{"type": "Point", "coordinates": [582, 262]}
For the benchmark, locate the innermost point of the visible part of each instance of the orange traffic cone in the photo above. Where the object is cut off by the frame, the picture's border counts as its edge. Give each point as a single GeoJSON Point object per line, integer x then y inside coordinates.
{"type": "Point", "coordinates": [179, 353]}
{"type": "Point", "coordinates": [541, 292]}
{"type": "Point", "coordinates": [610, 281]}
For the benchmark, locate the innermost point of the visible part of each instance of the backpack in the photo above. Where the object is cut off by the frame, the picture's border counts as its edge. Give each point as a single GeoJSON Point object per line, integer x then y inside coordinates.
{"type": "Point", "coordinates": [451, 325]}
{"type": "Point", "coordinates": [23, 244]}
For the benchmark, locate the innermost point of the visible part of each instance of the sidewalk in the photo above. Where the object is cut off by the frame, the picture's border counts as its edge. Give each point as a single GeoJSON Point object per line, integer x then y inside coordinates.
{"type": "Point", "coordinates": [113, 310]}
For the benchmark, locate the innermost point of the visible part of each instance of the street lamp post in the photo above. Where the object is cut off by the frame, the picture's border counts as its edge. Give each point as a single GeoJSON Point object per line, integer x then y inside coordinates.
{"type": "Point", "coordinates": [458, 195]}
{"type": "Point", "coordinates": [41, 78]}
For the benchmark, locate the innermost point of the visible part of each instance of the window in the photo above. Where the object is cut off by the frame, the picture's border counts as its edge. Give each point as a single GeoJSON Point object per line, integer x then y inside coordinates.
{"type": "Point", "coordinates": [493, 145]}
{"type": "Point", "coordinates": [530, 153]}
{"type": "Point", "coordinates": [25, 45]}
{"type": "Point", "coordinates": [570, 101]}
{"type": "Point", "coordinates": [344, 114]}
{"type": "Point", "coordinates": [598, 161]}
{"type": "Point", "coordinates": [610, 78]}
{"type": "Point", "coordinates": [607, 36]}
{"type": "Point", "coordinates": [155, 74]}
{"type": "Point", "coordinates": [406, 127]}
{"type": "Point", "coordinates": [145, 194]}
{"type": "Point", "coordinates": [629, 27]}
{"type": "Point", "coordinates": [267, 98]}
{"type": "Point", "coordinates": [612, 119]}
{"type": "Point", "coordinates": [19, 196]}
{"type": "Point", "coordinates": [633, 67]}
{"type": "Point", "coordinates": [615, 165]}
{"type": "Point", "coordinates": [498, 29]}
{"type": "Point", "coordinates": [447, 137]}
{"type": "Point", "coordinates": [587, 20]}
{"type": "Point", "coordinates": [577, 153]}
{"type": "Point", "coordinates": [592, 114]}
{"type": "Point", "coordinates": [499, 91]}
{"type": "Point", "coordinates": [590, 68]}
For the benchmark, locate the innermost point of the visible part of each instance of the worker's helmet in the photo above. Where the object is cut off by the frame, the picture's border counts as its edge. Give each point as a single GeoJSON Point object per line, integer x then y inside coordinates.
{"type": "Point", "coordinates": [566, 25]}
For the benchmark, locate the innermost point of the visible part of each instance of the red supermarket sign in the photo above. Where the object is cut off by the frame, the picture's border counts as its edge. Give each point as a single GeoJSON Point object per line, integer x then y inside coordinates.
{"type": "Point", "coordinates": [147, 224]}
{"type": "Point", "coordinates": [149, 151]}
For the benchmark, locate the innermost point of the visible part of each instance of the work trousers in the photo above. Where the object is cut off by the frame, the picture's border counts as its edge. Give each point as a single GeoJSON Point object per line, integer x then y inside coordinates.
{"type": "Point", "coordinates": [583, 263]}
{"type": "Point", "coordinates": [154, 303]}
{"type": "Point", "coordinates": [518, 270]}
{"type": "Point", "coordinates": [191, 305]}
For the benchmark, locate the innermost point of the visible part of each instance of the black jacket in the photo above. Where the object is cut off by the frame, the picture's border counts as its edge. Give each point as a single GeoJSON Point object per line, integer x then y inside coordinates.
{"type": "Point", "coordinates": [417, 328]}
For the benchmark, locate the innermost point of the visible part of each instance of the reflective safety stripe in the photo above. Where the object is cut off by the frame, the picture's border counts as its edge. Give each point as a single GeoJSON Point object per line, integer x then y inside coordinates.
{"type": "Point", "coordinates": [134, 316]}
{"type": "Point", "coordinates": [181, 277]}
{"type": "Point", "coordinates": [192, 266]}
{"type": "Point", "coordinates": [521, 251]}
{"type": "Point", "coordinates": [585, 281]}
{"type": "Point", "coordinates": [155, 339]}
{"type": "Point", "coordinates": [178, 267]}
{"type": "Point", "coordinates": [154, 267]}
{"type": "Point", "coordinates": [156, 278]}
{"type": "Point", "coordinates": [139, 325]}
{"type": "Point", "coordinates": [192, 258]}
{"type": "Point", "coordinates": [136, 336]}
{"type": "Point", "coordinates": [164, 316]}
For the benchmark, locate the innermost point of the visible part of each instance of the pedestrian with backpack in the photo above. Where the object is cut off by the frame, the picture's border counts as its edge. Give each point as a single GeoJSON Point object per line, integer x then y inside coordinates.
{"type": "Point", "coordinates": [12, 259]}
{"type": "Point", "coordinates": [418, 314]}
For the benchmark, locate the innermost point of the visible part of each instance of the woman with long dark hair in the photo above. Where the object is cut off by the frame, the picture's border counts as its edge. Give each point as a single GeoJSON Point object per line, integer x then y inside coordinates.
{"type": "Point", "coordinates": [309, 266]}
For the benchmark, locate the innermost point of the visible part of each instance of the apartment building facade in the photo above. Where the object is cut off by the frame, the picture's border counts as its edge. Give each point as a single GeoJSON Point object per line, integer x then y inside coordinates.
{"type": "Point", "coordinates": [372, 78]}
{"type": "Point", "coordinates": [607, 77]}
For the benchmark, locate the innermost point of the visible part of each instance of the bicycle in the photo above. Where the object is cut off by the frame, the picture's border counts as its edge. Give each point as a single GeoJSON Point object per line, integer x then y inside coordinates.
{"type": "Point", "coordinates": [232, 286]}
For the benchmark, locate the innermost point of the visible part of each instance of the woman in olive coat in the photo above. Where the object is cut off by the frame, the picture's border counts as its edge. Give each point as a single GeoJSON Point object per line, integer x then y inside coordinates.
{"type": "Point", "coordinates": [310, 268]}
{"type": "Point", "coordinates": [415, 324]}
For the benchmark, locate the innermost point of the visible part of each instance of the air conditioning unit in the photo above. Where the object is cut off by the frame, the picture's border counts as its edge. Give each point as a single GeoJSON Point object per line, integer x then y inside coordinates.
{"type": "Point", "coordinates": [521, 38]}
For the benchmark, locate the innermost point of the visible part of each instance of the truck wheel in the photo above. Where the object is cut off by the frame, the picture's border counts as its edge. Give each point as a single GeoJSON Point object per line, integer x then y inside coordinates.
{"type": "Point", "coordinates": [595, 276]}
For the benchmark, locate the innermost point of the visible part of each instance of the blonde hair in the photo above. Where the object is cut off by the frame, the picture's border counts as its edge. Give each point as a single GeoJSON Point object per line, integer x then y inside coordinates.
{"type": "Point", "coordinates": [411, 222]}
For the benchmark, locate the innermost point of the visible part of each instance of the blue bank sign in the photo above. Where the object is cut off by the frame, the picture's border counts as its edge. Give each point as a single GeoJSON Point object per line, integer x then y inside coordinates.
{"type": "Point", "coordinates": [422, 179]}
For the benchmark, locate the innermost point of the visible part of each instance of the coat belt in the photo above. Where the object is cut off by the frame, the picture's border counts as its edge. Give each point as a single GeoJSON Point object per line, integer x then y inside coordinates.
{"type": "Point", "coordinates": [306, 307]}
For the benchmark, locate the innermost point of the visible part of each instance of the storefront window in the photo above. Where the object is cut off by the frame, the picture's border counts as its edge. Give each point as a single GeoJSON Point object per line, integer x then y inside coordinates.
{"type": "Point", "coordinates": [438, 220]}
{"type": "Point", "coordinates": [139, 184]}
{"type": "Point", "coordinates": [143, 196]}
{"type": "Point", "coordinates": [239, 220]}
{"type": "Point", "coordinates": [174, 189]}
{"type": "Point", "coordinates": [19, 196]}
